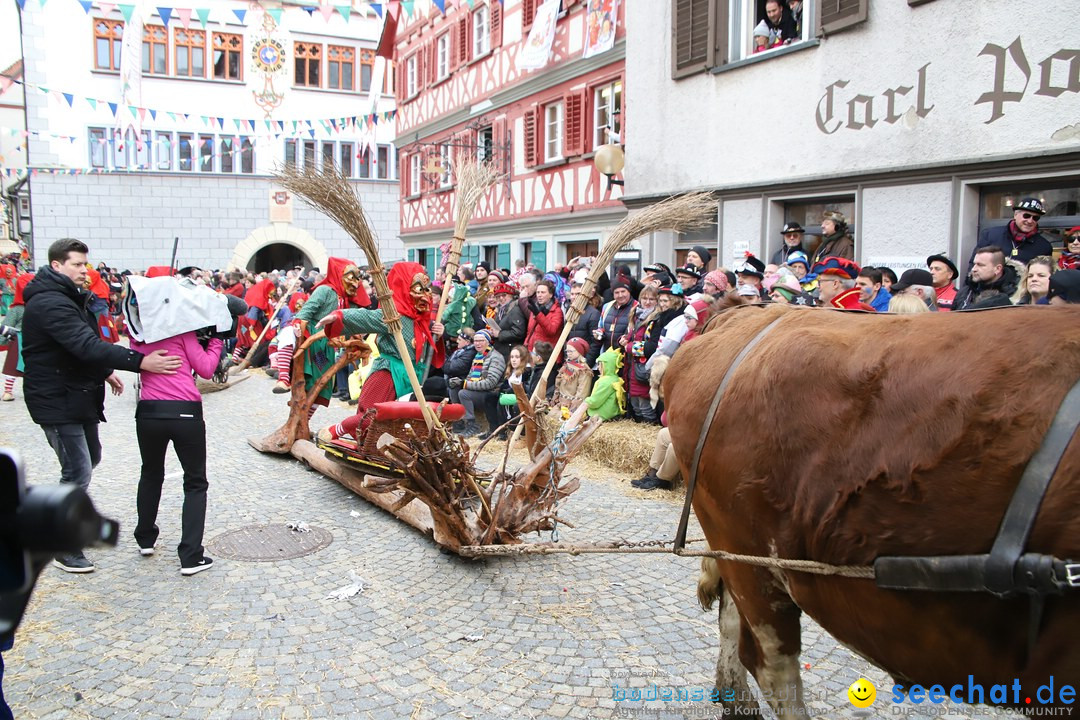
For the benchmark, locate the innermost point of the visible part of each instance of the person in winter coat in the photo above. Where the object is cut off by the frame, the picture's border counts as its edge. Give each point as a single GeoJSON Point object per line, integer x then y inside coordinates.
{"type": "Point", "coordinates": [584, 325]}
{"type": "Point", "coordinates": [545, 316]}
{"type": "Point", "coordinates": [699, 257]}
{"type": "Point", "coordinates": [480, 385]}
{"type": "Point", "coordinates": [510, 324]}
{"type": "Point", "coordinates": [1070, 256]}
{"type": "Point", "coordinates": [793, 234]}
{"type": "Point", "coordinates": [835, 239]}
{"type": "Point", "coordinates": [67, 365]}
{"type": "Point", "coordinates": [992, 281]}
{"type": "Point", "coordinates": [574, 381]}
{"type": "Point", "coordinates": [11, 331]}
{"type": "Point", "coordinates": [1020, 239]}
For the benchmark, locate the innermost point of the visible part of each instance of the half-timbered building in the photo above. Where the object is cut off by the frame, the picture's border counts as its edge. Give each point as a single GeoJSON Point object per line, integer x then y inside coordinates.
{"type": "Point", "coordinates": [463, 91]}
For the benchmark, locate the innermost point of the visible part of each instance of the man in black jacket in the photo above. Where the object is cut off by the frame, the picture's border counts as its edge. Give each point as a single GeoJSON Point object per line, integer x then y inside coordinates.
{"type": "Point", "coordinates": [67, 366]}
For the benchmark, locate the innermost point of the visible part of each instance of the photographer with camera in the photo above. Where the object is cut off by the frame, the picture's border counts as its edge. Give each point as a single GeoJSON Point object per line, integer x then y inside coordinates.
{"type": "Point", "coordinates": [67, 365]}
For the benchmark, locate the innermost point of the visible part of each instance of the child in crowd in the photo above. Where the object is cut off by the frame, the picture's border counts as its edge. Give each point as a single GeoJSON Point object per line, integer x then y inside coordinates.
{"type": "Point", "coordinates": [574, 381]}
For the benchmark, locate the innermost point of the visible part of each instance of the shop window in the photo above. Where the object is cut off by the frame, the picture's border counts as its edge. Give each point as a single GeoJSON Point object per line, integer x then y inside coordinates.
{"type": "Point", "coordinates": [1061, 200]}
{"type": "Point", "coordinates": [809, 214]}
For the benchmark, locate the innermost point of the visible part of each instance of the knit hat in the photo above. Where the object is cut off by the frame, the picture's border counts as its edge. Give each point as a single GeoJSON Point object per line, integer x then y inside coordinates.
{"type": "Point", "coordinates": [503, 289]}
{"type": "Point", "coordinates": [482, 334]}
{"type": "Point", "coordinates": [1073, 232]}
{"type": "Point", "coordinates": [798, 257]}
{"type": "Point", "coordinates": [484, 264]}
{"type": "Point", "coordinates": [704, 254]}
{"type": "Point", "coordinates": [620, 282]}
{"type": "Point", "coordinates": [696, 310]}
{"type": "Point", "coordinates": [579, 344]}
{"type": "Point", "coordinates": [718, 279]}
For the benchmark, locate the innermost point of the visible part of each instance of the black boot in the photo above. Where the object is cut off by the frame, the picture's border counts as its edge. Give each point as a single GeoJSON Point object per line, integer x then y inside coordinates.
{"type": "Point", "coordinates": [645, 480]}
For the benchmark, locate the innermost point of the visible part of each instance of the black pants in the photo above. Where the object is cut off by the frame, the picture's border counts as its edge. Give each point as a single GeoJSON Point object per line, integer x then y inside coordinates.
{"type": "Point", "coordinates": [157, 423]}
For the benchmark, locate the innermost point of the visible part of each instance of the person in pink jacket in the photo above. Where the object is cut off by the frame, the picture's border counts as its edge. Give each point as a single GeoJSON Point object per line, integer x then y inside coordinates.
{"type": "Point", "coordinates": [170, 410]}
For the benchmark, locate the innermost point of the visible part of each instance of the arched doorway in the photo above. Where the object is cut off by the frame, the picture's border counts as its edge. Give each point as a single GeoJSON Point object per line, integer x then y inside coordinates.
{"type": "Point", "coordinates": [279, 256]}
{"type": "Point", "coordinates": [279, 246]}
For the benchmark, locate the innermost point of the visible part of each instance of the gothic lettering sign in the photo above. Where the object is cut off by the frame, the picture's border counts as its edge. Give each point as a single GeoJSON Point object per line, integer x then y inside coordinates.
{"type": "Point", "coordinates": [1014, 78]}
{"type": "Point", "coordinates": [865, 111]}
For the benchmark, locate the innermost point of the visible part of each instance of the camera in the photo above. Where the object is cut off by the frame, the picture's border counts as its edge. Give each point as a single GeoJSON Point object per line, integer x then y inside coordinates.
{"type": "Point", "coordinates": [36, 524]}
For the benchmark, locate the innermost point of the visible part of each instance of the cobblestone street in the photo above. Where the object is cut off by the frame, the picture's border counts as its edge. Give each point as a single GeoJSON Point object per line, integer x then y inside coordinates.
{"type": "Point", "coordinates": [430, 636]}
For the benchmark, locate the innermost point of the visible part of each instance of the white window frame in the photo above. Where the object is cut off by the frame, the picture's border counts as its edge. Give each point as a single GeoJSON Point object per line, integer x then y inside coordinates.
{"type": "Point", "coordinates": [414, 174]}
{"type": "Point", "coordinates": [163, 150]}
{"type": "Point", "coordinates": [743, 20]}
{"type": "Point", "coordinates": [553, 131]}
{"type": "Point", "coordinates": [200, 143]}
{"type": "Point", "coordinates": [447, 178]}
{"type": "Point", "coordinates": [481, 31]}
{"type": "Point", "coordinates": [227, 146]}
{"type": "Point", "coordinates": [192, 151]}
{"type": "Point", "coordinates": [410, 76]}
{"type": "Point", "coordinates": [442, 53]}
{"type": "Point", "coordinates": [614, 122]}
{"type": "Point", "coordinates": [384, 170]}
{"type": "Point", "coordinates": [296, 151]}
{"type": "Point", "coordinates": [99, 144]}
{"type": "Point", "coordinates": [482, 147]}
{"type": "Point", "coordinates": [347, 154]}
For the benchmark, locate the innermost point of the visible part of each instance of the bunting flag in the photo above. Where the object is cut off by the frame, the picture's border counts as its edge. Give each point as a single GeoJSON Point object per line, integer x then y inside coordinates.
{"type": "Point", "coordinates": [203, 15]}
{"type": "Point", "coordinates": [86, 5]}
{"type": "Point", "coordinates": [344, 11]}
{"type": "Point", "coordinates": [106, 7]}
{"type": "Point", "coordinates": [327, 12]}
{"type": "Point", "coordinates": [166, 14]}
{"type": "Point", "coordinates": [275, 13]}
{"type": "Point", "coordinates": [240, 15]}
{"type": "Point", "coordinates": [92, 102]}
{"type": "Point", "coordinates": [112, 108]}
{"type": "Point", "coordinates": [127, 10]}
{"type": "Point", "coordinates": [70, 98]}
{"type": "Point", "coordinates": [21, 4]}
{"type": "Point", "coordinates": [184, 14]}
{"type": "Point", "coordinates": [407, 6]}
{"type": "Point", "coordinates": [377, 7]}
{"type": "Point", "coordinates": [441, 4]}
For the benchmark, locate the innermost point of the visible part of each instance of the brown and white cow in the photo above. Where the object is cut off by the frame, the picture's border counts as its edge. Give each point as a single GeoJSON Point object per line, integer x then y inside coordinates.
{"type": "Point", "coordinates": [843, 437]}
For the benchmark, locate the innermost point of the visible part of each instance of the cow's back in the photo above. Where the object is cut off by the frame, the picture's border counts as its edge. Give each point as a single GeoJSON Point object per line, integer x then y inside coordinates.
{"type": "Point", "coordinates": [845, 436]}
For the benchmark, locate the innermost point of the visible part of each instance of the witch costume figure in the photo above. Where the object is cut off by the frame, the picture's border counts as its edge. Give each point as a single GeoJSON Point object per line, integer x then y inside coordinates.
{"type": "Point", "coordinates": [340, 289]}
{"type": "Point", "coordinates": [388, 380]}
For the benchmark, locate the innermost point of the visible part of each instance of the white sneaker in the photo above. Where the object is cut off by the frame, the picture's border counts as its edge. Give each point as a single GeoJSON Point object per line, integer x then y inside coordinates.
{"type": "Point", "coordinates": [147, 552]}
{"type": "Point", "coordinates": [7, 397]}
{"type": "Point", "coordinates": [204, 564]}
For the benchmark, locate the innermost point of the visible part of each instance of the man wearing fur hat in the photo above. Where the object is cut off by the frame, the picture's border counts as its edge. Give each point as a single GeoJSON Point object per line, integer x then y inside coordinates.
{"type": "Point", "coordinates": [836, 284]}
{"type": "Point", "coordinates": [991, 282]}
{"type": "Point", "coordinates": [835, 239]}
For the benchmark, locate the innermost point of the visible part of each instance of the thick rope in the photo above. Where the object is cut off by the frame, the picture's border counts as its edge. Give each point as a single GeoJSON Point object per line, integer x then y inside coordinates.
{"type": "Point", "coordinates": [806, 566]}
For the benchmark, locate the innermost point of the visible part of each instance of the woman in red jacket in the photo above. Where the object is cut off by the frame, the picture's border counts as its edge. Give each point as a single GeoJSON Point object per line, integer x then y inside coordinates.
{"type": "Point", "coordinates": [545, 316]}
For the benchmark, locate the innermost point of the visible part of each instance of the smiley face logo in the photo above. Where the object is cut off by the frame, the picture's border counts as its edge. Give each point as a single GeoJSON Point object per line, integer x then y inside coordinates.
{"type": "Point", "coordinates": [861, 693]}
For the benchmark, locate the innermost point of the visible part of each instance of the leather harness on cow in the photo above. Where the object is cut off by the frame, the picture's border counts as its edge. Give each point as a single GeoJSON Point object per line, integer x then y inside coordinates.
{"type": "Point", "coordinates": [1005, 571]}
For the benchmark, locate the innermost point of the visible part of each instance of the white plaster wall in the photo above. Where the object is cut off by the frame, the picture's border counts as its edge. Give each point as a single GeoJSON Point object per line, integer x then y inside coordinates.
{"type": "Point", "coordinates": [741, 231]}
{"type": "Point", "coordinates": [906, 221]}
{"type": "Point", "coordinates": [757, 123]}
{"type": "Point", "coordinates": [130, 220]}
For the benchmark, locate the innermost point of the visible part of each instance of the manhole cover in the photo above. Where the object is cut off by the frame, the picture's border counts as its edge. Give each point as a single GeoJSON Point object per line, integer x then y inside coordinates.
{"type": "Point", "coordinates": [269, 542]}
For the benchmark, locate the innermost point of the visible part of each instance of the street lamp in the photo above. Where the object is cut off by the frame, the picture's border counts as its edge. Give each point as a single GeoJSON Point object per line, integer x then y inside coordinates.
{"type": "Point", "coordinates": [609, 160]}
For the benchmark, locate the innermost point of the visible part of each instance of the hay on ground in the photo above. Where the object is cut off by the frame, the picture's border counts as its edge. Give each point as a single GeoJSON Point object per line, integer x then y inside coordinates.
{"type": "Point", "coordinates": [623, 445]}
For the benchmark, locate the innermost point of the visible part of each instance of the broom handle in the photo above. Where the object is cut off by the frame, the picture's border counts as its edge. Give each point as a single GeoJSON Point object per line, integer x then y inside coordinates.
{"type": "Point", "coordinates": [453, 258]}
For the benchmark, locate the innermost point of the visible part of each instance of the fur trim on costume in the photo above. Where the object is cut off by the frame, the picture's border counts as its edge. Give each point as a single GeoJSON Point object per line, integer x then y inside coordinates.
{"type": "Point", "coordinates": [656, 376]}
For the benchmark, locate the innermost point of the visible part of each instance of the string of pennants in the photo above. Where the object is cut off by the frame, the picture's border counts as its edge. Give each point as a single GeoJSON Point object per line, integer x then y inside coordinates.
{"type": "Point", "coordinates": [327, 10]}
{"type": "Point", "coordinates": [273, 128]}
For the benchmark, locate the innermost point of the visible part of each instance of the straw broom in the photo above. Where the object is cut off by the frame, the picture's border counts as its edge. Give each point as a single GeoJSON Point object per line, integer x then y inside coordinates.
{"type": "Point", "coordinates": [473, 180]}
{"type": "Point", "coordinates": [326, 189]}
{"type": "Point", "coordinates": [679, 213]}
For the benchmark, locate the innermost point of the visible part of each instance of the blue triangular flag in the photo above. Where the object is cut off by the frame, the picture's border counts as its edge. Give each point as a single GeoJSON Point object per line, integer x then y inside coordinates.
{"type": "Point", "coordinates": [69, 97]}
{"type": "Point", "coordinates": [86, 5]}
{"type": "Point", "coordinates": [441, 4]}
{"type": "Point", "coordinates": [377, 7]}
{"type": "Point", "coordinates": [240, 15]}
{"type": "Point", "coordinates": [21, 3]}
{"type": "Point", "coordinates": [153, 114]}
{"type": "Point", "coordinates": [112, 108]}
{"type": "Point", "coordinates": [166, 14]}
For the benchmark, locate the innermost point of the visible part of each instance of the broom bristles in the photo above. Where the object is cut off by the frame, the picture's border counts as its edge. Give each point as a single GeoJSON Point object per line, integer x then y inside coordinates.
{"type": "Point", "coordinates": [473, 179]}
{"type": "Point", "coordinates": [326, 189]}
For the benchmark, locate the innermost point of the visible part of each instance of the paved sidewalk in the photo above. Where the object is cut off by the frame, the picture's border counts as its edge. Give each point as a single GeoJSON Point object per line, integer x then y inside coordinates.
{"type": "Point", "coordinates": [430, 636]}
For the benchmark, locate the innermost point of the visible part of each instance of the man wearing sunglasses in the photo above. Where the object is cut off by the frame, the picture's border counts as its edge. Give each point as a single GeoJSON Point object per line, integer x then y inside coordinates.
{"type": "Point", "coordinates": [1020, 240]}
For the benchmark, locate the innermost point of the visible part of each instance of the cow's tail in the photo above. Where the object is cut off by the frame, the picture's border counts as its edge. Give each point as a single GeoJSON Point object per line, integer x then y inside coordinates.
{"type": "Point", "coordinates": [710, 584]}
